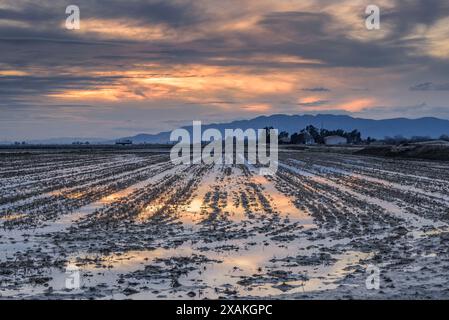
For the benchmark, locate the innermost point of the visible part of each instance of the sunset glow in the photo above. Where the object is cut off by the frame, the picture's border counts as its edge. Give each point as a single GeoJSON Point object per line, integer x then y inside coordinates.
{"type": "Point", "coordinates": [150, 63]}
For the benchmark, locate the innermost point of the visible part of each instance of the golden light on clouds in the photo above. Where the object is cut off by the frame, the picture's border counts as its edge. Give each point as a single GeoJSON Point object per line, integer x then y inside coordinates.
{"type": "Point", "coordinates": [124, 29]}
{"type": "Point", "coordinates": [258, 108]}
{"type": "Point", "coordinates": [13, 73]}
{"type": "Point", "coordinates": [191, 85]}
{"type": "Point", "coordinates": [224, 59]}
{"type": "Point", "coordinates": [310, 99]}
{"type": "Point", "coordinates": [437, 39]}
{"type": "Point", "coordinates": [357, 104]}
{"type": "Point", "coordinates": [103, 94]}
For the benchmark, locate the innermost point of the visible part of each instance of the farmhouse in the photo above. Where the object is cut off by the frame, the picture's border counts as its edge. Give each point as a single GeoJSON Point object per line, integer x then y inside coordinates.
{"type": "Point", "coordinates": [335, 140]}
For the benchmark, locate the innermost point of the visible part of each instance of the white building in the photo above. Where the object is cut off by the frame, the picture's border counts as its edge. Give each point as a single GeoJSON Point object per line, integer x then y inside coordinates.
{"type": "Point", "coordinates": [335, 140]}
{"type": "Point", "coordinates": [285, 140]}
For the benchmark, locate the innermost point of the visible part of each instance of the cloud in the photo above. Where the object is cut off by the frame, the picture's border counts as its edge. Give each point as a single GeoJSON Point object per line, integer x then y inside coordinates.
{"type": "Point", "coordinates": [411, 111]}
{"type": "Point", "coordinates": [162, 60]}
{"type": "Point", "coordinates": [430, 86]}
{"type": "Point", "coordinates": [317, 89]}
{"type": "Point", "coordinates": [316, 103]}
{"type": "Point", "coordinates": [17, 89]}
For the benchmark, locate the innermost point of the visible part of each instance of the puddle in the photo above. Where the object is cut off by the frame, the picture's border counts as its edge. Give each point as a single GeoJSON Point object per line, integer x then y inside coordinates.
{"type": "Point", "coordinates": [212, 279]}
{"type": "Point", "coordinates": [257, 243]}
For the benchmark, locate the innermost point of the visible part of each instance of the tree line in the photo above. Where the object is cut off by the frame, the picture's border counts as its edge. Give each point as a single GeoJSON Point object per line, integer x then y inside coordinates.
{"type": "Point", "coordinates": [315, 135]}
{"type": "Point", "coordinates": [311, 134]}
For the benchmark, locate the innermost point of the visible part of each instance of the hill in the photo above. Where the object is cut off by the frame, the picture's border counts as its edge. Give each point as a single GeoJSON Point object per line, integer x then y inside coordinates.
{"type": "Point", "coordinates": [378, 129]}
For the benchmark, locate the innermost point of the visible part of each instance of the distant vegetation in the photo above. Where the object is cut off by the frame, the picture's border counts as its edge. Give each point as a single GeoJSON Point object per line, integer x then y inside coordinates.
{"type": "Point", "coordinates": [313, 135]}
{"type": "Point", "coordinates": [398, 140]}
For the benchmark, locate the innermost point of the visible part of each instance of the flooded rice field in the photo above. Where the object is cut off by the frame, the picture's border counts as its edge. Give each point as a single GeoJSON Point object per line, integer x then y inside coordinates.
{"type": "Point", "coordinates": [134, 226]}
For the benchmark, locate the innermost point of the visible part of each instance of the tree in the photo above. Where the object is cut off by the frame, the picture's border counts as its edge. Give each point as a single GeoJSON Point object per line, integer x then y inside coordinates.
{"type": "Point", "coordinates": [318, 135]}
{"type": "Point", "coordinates": [294, 139]}
{"type": "Point", "coordinates": [299, 138]}
{"type": "Point", "coordinates": [354, 136]}
{"type": "Point", "coordinates": [370, 140]}
{"type": "Point", "coordinates": [283, 135]}
{"type": "Point", "coordinates": [396, 140]}
{"type": "Point", "coordinates": [315, 134]}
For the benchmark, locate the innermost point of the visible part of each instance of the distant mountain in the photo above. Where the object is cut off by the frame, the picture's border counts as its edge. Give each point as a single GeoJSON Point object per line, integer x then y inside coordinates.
{"type": "Point", "coordinates": [378, 129]}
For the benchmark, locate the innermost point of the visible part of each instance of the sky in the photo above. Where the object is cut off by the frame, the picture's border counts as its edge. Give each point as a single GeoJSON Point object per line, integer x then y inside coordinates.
{"type": "Point", "coordinates": [151, 66]}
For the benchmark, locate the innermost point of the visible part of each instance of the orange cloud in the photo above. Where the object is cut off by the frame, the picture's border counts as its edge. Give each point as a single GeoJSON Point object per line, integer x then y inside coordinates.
{"type": "Point", "coordinates": [258, 108]}
{"type": "Point", "coordinates": [123, 29]}
{"type": "Point", "coordinates": [189, 83]}
{"type": "Point", "coordinates": [13, 73]}
{"type": "Point", "coordinates": [310, 99]}
{"type": "Point", "coordinates": [358, 104]}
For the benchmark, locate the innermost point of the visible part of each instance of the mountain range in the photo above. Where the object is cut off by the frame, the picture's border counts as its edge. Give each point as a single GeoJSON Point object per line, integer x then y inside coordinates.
{"type": "Point", "coordinates": [379, 129]}
{"type": "Point", "coordinates": [429, 126]}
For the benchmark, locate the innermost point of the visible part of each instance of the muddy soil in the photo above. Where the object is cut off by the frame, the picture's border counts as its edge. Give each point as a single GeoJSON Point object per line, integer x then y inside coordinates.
{"type": "Point", "coordinates": [132, 225]}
